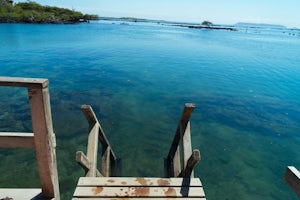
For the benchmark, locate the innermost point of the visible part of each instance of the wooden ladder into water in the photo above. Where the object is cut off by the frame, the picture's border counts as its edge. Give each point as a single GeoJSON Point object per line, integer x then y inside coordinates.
{"type": "Point", "coordinates": [180, 184]}
{"type": "Point", "coordinates": [42, 139]}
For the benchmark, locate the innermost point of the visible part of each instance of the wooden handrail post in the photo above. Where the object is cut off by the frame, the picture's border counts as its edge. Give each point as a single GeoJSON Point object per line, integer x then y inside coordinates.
{"type": "Point", "coordinates": [96, 133]}
{"type": "Point", "coordinates": [44, 139]}
{"type": "Point", "coordinates": [182, 134]}
{"type": "Point", "coordinates": [186, 144]}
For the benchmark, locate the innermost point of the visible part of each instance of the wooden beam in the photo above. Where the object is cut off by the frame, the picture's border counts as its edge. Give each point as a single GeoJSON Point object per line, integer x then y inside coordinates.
{"type": "Point", "coordinates": [37, 83]}
{"type": "Point", "coordinates": [105, 142]}
{"type": "Point", "coordinates": [83, 161]}
{"type": "Point", "coordinates": [176, 163]}
{"type": "Point", "coordinates": [89, 114]}
{"type": "Point", "coordinates": [183, 122]}
{"type": "Point", "coordinates": [292, 178]}
{"type": "Point", "coordinates": [105, 169]}
{"type": "Point", "coordinates": [92, 150]}
{"type": "Point", "coordinates": [138, 181]}
{"type": "Point", "coordinates": [186, 143]}
{"type": "Point", "coordinates": [44, 139]}
{"type": "Point", "coordinates": [16, 140]}
{"type": "Point", "coordinates": [193, 160]}
{"type": "Point", "coordinates": [92, 119]}
{"type": "Point", "coordinates": [137, 191]}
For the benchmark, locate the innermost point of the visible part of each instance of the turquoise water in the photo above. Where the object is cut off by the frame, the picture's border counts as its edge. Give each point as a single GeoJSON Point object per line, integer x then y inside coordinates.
{"type": "Point", "coordinates": [246, 86]}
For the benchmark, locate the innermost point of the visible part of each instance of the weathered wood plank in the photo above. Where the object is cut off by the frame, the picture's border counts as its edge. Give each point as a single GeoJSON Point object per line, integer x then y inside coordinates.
{"type": "Point", "coordinates": [92, 150]}
{"type": "Point", "coordinates": [177, 163]}
{"type": "Point", "coordinates": [92, 119]}
{"type": "Point", "coordinates": [292, 177]}
{"type": "Point", "coordinates": [105, 142]}
{"type": "Point", "coordinates": [24, 82]}
{"type": "Point", "coordinates": [89, 114]}
{"type": "Point", "coordinates": [182, 125]}
{"type": "Point", "coordinates": [139, 198]}
{"type": "Point", "coordinates": [44, 139]}
{"type": "Point", "coordinates": [139, 192]}
{"type": "Point", "coordinates": [193, 160]}
{"type": "Point", "coordinates": [186, 143]}
{"type": "Point", "coordinates": [83, 161]}
{"type": "Point", "coordinates": [105, 169]}
{"type": "Point", "coordinates": [16, 140]}
{"type": "Point", "coordinates": [138, 181]}
{"type": "Point", "coordinates": [19, 193]}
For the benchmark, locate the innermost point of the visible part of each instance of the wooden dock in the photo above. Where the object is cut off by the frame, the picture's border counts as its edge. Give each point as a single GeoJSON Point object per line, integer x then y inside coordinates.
{"type": "Point", "coordinates": [98, 184]}
{"type": "Point", "coordinates": [105, 183]}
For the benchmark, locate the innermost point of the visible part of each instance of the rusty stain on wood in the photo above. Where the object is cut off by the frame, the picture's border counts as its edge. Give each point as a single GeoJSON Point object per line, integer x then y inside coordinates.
{"type": "Point", "coordinates": [123, 183]}
{"type": "Point", "coordinates": [142, 181]}
{"type": "Point", "coordinates": [170, 192]}
{"type": "Point", "coordinates": [141, 191]}
{"type": "Point", "coordinates": [97, 190]}
{"type": "Point", "coordinates": [110, 181]}
{"type": "Point", "coordinates": [163, 182]}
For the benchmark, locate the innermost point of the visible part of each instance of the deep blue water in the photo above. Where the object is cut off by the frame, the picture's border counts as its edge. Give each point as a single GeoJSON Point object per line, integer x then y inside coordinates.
{"type": "Point", "coordinates": [246, 86]}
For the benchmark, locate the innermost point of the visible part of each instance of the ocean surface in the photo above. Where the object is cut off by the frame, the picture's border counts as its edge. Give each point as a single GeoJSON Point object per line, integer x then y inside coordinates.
{"type": "Point", "coordinates": [137, 77]}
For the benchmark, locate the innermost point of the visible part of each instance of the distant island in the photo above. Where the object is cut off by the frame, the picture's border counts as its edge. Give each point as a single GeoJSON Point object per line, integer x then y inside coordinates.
{"type": "Point", "coordinates": [34, 13]}
{"type": "Point", "coordinates": [259, 25]}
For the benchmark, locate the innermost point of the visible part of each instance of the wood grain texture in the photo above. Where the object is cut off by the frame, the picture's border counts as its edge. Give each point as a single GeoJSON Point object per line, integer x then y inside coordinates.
{"type": "Point", "coordinates": [138, 181]}
{"type": "Point", "coordinates": [37, 83]}
{"type": "Point", "coordinates": [16, 140]}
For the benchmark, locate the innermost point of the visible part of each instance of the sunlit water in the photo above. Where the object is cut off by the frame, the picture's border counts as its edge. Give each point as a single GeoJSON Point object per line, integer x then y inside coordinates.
{"type": "Point", "coordinates": [245, 84]}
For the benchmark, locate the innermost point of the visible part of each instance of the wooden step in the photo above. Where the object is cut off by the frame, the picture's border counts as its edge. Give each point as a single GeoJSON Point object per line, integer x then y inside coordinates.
{"type": "Point", "coordinates": [20, 193]}
{"type": "Point", "coordinates": [132, 188]}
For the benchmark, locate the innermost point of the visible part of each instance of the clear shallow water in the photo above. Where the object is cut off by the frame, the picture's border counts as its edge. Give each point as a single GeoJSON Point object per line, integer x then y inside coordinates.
{"type": "Point", "coordinates": [137, 78]}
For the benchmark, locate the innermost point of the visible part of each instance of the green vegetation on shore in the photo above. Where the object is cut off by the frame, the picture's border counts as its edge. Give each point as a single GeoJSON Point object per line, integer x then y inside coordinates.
{"type": "Point", "coordinates": [32, 12]}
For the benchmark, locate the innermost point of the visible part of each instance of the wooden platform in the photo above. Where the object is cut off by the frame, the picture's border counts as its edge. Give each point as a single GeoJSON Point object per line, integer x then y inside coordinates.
{"type": "Point", "coordinates": [137, 188]}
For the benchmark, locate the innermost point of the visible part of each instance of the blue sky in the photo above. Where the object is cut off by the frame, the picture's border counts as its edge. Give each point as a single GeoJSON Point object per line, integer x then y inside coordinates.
{"type": "Point", "coordinates": [284, 12]}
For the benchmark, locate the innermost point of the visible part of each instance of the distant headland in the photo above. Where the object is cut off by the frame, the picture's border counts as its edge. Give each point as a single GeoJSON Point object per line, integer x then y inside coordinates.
{"type": "Point", "coordinates": [259, 25]}
{"type": "Point", "coordinates": [34, 13]}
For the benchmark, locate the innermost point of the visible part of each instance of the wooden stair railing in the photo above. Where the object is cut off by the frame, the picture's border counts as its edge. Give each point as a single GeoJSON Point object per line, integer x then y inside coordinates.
{"type": "Point", "coordinates": [89, 162]}
{"type": "Point", "coordinates": [184, 186]}
{"type": "Point", "coordinates": [42, 138]}
{"type": "Point", "coordinates": [183, 137]}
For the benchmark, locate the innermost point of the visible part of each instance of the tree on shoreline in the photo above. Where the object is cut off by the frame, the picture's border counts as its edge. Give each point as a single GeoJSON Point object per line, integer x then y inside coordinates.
{"type": "Point", "coordinates": [32, 12]}
{"type": "Point", "coordinates": [207, 23]}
